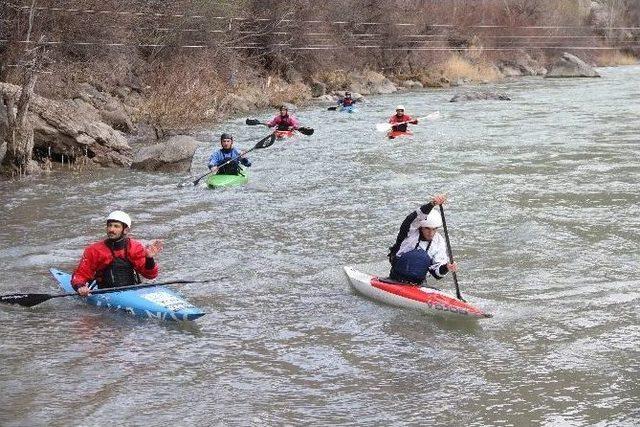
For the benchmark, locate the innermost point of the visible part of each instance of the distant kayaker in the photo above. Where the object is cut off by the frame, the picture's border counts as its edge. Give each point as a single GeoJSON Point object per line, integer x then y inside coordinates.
{"type": "Point", "coordinates": [419, 249]}
{"type": "Point", "coordinates": [226, 153]}
{"type": "Point", "coordinates": [402, 118]}
{"type": "Point", "coordinates": [116, 261]}
{"type": "Point", "coordinates": [347, 101]}
{"type": "Point", "coordinates": [284, 120]}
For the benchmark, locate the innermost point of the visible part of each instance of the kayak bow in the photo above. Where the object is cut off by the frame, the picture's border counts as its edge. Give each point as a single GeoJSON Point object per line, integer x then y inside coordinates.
{"type": "Point", "coordinates": [398, 134]}
{"type": "Point", "coordinates": [221, 180]}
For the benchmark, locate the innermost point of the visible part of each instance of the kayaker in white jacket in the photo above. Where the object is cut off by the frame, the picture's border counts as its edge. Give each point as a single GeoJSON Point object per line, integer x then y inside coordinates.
{"type": "Point", "coordinates": [419, 249]}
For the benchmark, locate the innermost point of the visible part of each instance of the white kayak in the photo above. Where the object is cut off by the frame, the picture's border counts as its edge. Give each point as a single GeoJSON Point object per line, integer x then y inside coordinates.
{"type": "Point", "coordinates": [428, 300]}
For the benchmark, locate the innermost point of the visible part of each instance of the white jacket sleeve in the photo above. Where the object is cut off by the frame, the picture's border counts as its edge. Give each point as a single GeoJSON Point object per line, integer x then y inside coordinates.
{"type": "Point", "coordinates": [438, 254]}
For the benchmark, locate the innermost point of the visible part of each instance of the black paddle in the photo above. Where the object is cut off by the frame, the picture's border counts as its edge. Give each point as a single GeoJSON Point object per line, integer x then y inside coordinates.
{"type": "Point", "coordinates": [332, 108]}
{"type": "Point", "coordinates": [303, 130]}
{"type": "Point", "coordinates": [265, 142]}
{"type": "Point", "coordinates": [446, 236]}
{"type": "Point", "coordinates": [29, 300]}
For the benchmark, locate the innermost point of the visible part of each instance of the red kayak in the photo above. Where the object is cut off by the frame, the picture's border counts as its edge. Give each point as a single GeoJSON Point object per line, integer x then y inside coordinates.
{"type": "Point", "coordinates": [425, 299]}
{"type": "Point", "coordinates": [398, 134]}
{"type": "Point", "coordinates": [283, 134]}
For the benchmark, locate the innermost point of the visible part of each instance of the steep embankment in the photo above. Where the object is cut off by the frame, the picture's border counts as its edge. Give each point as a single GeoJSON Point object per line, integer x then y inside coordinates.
{"type": "Point", "coordinates": [148, 74]}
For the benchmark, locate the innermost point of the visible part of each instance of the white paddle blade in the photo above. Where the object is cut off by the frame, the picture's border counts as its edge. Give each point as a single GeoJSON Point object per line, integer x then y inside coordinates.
{"type": "Point", "coordinates": [433, 116]}
{"type": "Point", "coordinates": [383, 127]}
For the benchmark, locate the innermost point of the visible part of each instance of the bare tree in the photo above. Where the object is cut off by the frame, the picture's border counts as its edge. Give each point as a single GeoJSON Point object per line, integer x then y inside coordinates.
{"type": "Point", "coordinates": [18, 137]}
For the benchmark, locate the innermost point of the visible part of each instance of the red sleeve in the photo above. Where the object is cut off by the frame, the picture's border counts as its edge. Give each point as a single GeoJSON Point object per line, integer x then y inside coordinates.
{"type": "Point", "coordinates": [392, 119]}
{"type": "Point", "coordinates": [274, 121]}
{"type": "Point", "coordinates": [138, 259]}
{"type": "Point", "coordinates": [87, 268]}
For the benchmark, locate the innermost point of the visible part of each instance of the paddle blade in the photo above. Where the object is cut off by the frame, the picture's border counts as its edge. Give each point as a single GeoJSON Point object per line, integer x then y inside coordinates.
{"type": "Point", "coordinates": [25, 300]}
{"type": "Point", "coordinates": [267, 141]}
{"type": "Point", "coordinates": [332, 108]}
{"type": "Point", "coordinates": [383, 127]}
{"type": "Point", "coordinates": [433, 116]}
{"type": "Point", "coordinates": [197, 180]}
{"type": "Point", "coordinates": [306, 131]}
{"type": "Point", "coordinates": [252, 122]}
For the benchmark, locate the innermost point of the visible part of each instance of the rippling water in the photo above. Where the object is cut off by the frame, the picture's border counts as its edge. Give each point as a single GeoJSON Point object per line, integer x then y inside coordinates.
{"type": "Point", "coordinates": [545, 223]}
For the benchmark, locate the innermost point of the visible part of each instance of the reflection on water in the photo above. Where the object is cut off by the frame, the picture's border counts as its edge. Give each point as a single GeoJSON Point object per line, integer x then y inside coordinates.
{"type": "Point", "coordinates": [543, 220]}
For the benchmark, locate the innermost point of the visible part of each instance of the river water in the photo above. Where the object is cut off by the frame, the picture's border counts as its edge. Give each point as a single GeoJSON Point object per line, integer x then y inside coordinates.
{"type": "Point", "coordinates": [544, 220]}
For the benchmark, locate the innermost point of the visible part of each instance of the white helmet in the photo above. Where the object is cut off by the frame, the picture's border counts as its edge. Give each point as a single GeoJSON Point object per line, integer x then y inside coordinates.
{"type": "Point", "coordinates": [433, 220]}
{"type": "Point", "coordinates": [121, 217]}
{"type": "Point", "coordinates": [400, 107]}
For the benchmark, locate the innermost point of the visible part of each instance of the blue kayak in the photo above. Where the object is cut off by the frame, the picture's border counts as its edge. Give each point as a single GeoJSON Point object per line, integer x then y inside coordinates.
{"type": "Point", "coordinates": [156, 302]}
{"type": "Point", "coordinates": [348, 109]}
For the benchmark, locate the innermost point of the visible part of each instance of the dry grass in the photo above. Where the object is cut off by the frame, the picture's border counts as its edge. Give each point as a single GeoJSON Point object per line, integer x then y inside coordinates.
{"type": "Point", "coordinates": [334, 79]}
{"type": "Point", "coordinates": [610, 58]}
{"type": "Point", "coordinates": [181, 96]}
{"type": "Point", "coordinates": [458, 68]}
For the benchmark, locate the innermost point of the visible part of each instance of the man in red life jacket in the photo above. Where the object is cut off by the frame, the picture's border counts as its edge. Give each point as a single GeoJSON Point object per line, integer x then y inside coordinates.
{"type": "Point", "coordinates": [284, 121]}
{"type": "Point", "coordinates": [347, 101]}
{"type": "Point", "coordinates": [116, 261]}
{"type": "Point", "coordinates": [401, 117]}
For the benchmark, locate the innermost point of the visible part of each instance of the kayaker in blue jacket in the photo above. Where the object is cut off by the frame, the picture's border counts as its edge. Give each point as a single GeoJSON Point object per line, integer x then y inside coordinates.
{"type": "Point", "coordinates": [226, 153]}
{"type": "Point", "coordinates": [419, 248]}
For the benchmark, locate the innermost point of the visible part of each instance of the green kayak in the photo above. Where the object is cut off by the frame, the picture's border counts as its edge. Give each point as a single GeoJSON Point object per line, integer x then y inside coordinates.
{"type": "Point", "coordinates": [215, 181]}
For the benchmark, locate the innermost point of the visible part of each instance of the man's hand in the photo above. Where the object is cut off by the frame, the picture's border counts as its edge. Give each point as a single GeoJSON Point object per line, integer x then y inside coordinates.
{"type": "Point", "coordinates": [154, 248]}
{"type": "Point", "coordinates": [84, 291]}
{"type": "Point", "coordinates": [439, 199]}
{"type": "Point", "coordinates": [453, 266]}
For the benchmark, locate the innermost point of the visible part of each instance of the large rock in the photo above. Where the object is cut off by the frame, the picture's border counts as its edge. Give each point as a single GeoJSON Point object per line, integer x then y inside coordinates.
{"type": "Point", "coordinates": [371, 82]}
{"type": "Point", "coordinates": [173, 155]}
{"type": "Point", "coordinates": [71, 129]}
{"type": "Point", "coordinates": [4, 123]}
{"type": "Point", "coordinates": [521, 65]}
{"type": "Point", "coordinates": [480, 96]}
{"type": "Point", "coordinates": [412, 84]}
{"type": "Point", "coordinates": [111, 109]}
{"type": "Point", "coordinates": [571, 66]}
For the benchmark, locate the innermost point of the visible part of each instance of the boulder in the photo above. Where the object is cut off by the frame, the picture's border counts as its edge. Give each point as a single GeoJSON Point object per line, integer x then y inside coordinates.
{"type": "Point", "coordinates": [4, 123]}
{"type": "Point", "coordinates": [521, 65]}
{"type": "Point", "coordinates": [571, 66]}
{"type": "Point", "coordinates": [110, 109]}
{"type": "Point", "coordinates": [173, 155]}
{"type": "Point", "coordinates": [480, 96]}
{"type": "Point", "coordinates": [73, 129]}
{"type": "Point", "coordinates": [412, 84]}
{"type": "Point", "coordinates": [118, 119]}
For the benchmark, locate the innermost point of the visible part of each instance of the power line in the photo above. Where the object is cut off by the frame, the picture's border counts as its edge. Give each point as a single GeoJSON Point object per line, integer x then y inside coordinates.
{"type": "Point", "coordinates": [232, 18]}
{"type": "Point", "coordinates": [289, 46]}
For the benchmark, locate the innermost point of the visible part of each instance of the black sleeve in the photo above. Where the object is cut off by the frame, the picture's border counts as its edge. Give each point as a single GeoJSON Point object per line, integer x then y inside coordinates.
{"type": "Point", "coordinates": [149, 263]}
{"type": "Point", "coordinates": [404, 228]}
{"type": "Point", "coordinates": [443, 270]}
{"type": "Point", "coordinates": [427, 208]}
{"type": "Point", "coordinates": [402, 234]}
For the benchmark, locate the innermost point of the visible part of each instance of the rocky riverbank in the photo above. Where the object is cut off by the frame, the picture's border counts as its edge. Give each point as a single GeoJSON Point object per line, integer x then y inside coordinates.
{"type": "Point", "coordinates": [99, 128]}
